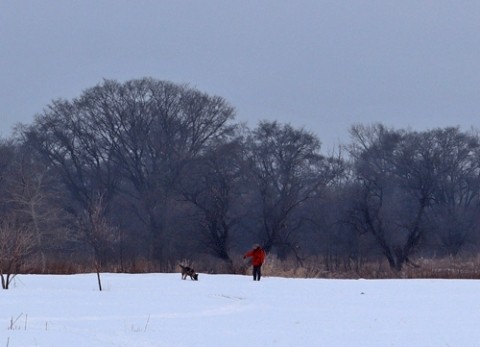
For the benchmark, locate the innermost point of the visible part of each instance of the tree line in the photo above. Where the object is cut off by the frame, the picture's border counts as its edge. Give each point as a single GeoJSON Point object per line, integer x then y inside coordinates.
{"type": "Point", "coordinates": [154, 171]}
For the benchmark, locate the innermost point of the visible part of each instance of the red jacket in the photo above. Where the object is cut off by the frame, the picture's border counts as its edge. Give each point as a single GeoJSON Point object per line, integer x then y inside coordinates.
{"type": "Point", "coordinates": [258, 256]}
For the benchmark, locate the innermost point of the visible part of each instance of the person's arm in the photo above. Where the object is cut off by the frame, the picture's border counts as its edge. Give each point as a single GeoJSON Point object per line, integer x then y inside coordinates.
{"type": "Point", "coordinates": [248, 254]}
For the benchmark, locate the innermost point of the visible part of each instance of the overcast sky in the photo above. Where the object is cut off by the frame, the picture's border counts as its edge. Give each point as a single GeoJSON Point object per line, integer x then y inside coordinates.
{"type": "Point", "coordinates": [321, 65]}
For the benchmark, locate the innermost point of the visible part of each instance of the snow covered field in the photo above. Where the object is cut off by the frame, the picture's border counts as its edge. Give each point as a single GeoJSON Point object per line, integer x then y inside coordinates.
{"type": "Point", "coordinates": [224, 310]}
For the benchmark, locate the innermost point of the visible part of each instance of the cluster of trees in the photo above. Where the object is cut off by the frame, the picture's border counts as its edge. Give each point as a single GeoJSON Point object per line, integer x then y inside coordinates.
{"type": "Point", "coordinates": [155, 171]}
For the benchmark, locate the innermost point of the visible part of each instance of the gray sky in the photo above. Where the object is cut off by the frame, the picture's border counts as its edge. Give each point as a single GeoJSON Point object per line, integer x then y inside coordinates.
{"type": "Point", "coordinates": [321, 65]}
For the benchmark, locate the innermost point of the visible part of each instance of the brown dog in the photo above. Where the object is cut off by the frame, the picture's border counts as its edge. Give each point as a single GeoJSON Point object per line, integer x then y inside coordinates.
{"type": "Point", "coordinates": [188, 271]}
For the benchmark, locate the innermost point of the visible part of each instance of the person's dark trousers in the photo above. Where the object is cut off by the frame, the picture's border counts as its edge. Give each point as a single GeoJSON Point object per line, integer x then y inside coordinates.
{"type": "Point", "coordinates": [257, 273]}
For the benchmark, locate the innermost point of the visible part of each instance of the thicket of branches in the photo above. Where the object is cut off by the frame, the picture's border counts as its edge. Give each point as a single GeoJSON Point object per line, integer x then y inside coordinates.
{"type": "Point", "coordinates": [151, 172]}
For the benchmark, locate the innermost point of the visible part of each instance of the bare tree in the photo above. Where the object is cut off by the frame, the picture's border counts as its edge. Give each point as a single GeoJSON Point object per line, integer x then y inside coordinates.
{"type": "Point", "coordinates": [99, 234]}
{"type": "Point", "coordinates": [154, 128]}
{"type": "Point", "coordinates": [132, 138]}
{"type": "Point", "coordinates": [29, 194]}
{"type": "Point", "coordinates": [213, 186]}
{"type": "Point", "coordinates": [74, 149]}
{"type": "Point", "coordinates": [285, 169]}
{"type": "Point", "coordinates": [397, 172]}
{"type": "Point", "coordinates": [17, 243]}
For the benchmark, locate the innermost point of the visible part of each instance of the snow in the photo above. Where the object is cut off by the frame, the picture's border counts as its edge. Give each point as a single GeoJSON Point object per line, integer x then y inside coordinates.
{"type": "Point", "coordinates": [227, 310]}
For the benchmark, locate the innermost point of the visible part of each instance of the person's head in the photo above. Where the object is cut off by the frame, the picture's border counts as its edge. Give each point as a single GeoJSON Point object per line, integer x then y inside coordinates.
{"type": "Point", "coordinates": [256, 245]}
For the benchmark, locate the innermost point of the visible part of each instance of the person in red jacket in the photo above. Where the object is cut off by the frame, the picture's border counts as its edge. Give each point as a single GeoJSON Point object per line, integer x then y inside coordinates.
{"type": "Point", "coordinates": [258, 258]}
